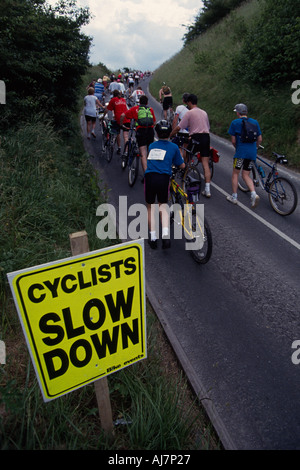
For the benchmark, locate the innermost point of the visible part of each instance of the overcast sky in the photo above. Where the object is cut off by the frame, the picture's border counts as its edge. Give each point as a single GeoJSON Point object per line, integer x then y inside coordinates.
{"type": "Point", "coordinates": [139, 34]}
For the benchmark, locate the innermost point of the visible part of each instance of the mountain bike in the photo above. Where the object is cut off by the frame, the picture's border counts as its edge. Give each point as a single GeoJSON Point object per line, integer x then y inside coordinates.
{"type": "Point", "coordinates": [131, 155]}
{"type": "Point", "coordinates": [281, 191]}
{"type": "Point", "coordinates": [110, 139]}
{"type": "Point", "coordinates": [103, 129]}
{"type": "Point", "coordinates": [183, 211]}
{"type": "Point", "coordinates": [194, 156]}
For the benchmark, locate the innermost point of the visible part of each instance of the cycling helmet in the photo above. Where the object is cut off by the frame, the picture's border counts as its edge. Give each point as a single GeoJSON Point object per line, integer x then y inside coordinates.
{"type": "Point", "coordinates": [163, 129]}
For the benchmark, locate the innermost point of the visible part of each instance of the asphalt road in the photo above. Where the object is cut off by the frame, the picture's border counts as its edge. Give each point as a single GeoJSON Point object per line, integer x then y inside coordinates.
{"type": "Point", "coordinates": [232, 321]}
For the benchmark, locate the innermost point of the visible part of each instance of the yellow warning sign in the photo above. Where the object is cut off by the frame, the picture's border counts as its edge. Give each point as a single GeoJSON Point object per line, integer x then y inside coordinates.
{"type": "Point", "coordinates": [83, 317]}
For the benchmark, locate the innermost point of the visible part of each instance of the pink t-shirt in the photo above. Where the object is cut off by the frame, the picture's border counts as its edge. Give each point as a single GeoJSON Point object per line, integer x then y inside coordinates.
{"type": "Point", "coordinates": [196, 121]}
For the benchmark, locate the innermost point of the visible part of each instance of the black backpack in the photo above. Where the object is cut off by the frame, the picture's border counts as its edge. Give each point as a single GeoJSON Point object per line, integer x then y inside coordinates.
{"type": "Point", "coordinates": [249, 132]}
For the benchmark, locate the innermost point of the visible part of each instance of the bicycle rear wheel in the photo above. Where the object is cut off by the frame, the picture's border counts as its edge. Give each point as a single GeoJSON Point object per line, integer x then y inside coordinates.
{"type": "Point", "coordinates": [283, 196]}
{"type": "Point", "coordinates": [241, 183]}
{"type": "Point", "coordinates": [124, 159]}
{"type": "Point", "coordinates": [203, 254]}
{"type": "Point", "coordinates": [133, 168]}
{"type": "Point", "coordinates": [110, 148]}
{"type": "Point", "coordinates": [191, 174]}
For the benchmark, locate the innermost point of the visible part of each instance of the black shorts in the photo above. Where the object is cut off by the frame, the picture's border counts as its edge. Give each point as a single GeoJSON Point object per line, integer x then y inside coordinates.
{"type": "Point", "coordinates": [156, 186]}
{"type": "Point", "coordinates": [167, 102]}
{"type": "Point", "coordinates": [145, 136]}
{"type": "Point", "coordinates": [203, 144]}
{"type": "Point", "coordinates": [90, 118]}
{"type": "Point", "coordinates": [245, 163]}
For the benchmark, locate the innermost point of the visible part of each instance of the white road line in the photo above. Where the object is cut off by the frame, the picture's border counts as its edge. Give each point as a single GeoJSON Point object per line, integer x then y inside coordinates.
{"type": "Point", "coordinates": [260, 219]}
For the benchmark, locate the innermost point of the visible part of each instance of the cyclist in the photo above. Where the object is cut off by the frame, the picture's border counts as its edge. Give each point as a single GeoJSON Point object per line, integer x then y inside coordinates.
{"type": "Point", "coordinates": [118, 105]}
{"type": "Point", "coordinates": [145, 121]}
{"type": "Point", "coordinates": [162, 155]}
{"type": "Point", "coordinates": [136, 95]}
{"type": "Point", "coordinates": [245, 154]}
{"type": "Point", "coordinates": [197, 122]}
{"type": "Point", "coordinates": [99, 89]}
{"type": "Point", "coordinates": [90, 104]}
{"type": "Point", "coordinates": [180, 111]}
{"type": "Point", "coordinates": [165, 97]}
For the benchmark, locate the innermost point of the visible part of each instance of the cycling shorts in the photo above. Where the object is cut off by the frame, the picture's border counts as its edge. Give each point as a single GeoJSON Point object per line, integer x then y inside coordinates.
{"type": "Point", "coordinates": [144, 136]}
{"type": "Point", "coordinates": [245, 163]}
{"type": "Point", "coordinates": [90, 118]}
{"type": "Point", "coordinates": [203, 145]}
{"type": "Point", "coordinates": [167, 102]}
{"type": "Point", "coordinates": [157, 186]}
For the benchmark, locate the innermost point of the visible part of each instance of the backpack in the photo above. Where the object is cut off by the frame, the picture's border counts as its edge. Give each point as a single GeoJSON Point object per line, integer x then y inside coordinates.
{"type": "Point", "coordinates": [249, 132]}
{"type": "Point", "coordinates": [145, 118]}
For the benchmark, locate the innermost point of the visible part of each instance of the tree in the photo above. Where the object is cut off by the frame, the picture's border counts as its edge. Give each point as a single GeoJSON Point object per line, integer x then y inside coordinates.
{"type": "Point", "coordinates": [43, 54]}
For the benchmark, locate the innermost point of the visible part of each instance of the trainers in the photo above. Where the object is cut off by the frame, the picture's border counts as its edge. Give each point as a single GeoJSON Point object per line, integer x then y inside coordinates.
{"type": "Point", "coordinates": [254, 201]}
{"type": "Point", "coordinates": [152, 243]}
{"type": "Point", "coordinates": [206, 194]}
{"type": "Point", "coordinates": [166, 243]}
{"type": "Point", "coordinates": [119, 151]}
{"type": "Point", "coordinates": [93, 134]}
{"type": "Point", "coordinates": [232, 199]}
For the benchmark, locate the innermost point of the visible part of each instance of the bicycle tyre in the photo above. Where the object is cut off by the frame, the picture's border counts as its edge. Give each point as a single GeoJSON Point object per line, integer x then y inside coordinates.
{"type": "Point", "coordinates": [133, 169]}
{"type": "Point", "coordinates": [191, 172]}
{"type": "Point", "coordinates": [211, 167]}
{"type": "Point", "coordinates": [241, 183]}
{"type": "Point", "coordinates": [124, 159]}
{"type": "Point", "coordinates": [109, 149]}
{"type": "Point", "coordinates": [203, 255]}
{"type": "Point", "coordinates": [283, 196]}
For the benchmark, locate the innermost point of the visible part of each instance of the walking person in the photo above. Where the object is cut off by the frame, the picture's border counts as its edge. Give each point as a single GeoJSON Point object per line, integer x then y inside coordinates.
{"type": "Point", "coordinates": [245, 153]}
{"type": "Point", "coordinates": [197, 122]}
{"type": "Point", "coordinates": [162, 155]}
{"type": "Point", "coordinates": [90, 104]}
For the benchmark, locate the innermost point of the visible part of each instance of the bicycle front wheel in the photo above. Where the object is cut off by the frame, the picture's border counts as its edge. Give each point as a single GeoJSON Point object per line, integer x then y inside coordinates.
{"type": "Point", "coordinates": [283, 196]}
{"type": "Point", "coordinates": [203, 254]}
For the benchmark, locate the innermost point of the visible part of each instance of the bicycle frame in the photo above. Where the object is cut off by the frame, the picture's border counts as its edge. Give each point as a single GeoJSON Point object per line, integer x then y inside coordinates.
{"type": "Point", "coordinates": [187, 214]}
{"type": "Point", "coordinates": [273, 173]}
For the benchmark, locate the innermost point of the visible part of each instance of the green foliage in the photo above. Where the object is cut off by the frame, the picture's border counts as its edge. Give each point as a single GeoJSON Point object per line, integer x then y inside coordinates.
{"type": "Point", "coordinates": [270, 55]}
{"type": "Point", "coordinates": [42, 57]}
{"type": "Point", "coordinates": [212, 12]}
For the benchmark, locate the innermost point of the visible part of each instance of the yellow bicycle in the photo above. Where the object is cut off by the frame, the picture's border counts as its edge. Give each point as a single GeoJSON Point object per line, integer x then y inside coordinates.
{"type": "Point", "coordinates": [186, 213]}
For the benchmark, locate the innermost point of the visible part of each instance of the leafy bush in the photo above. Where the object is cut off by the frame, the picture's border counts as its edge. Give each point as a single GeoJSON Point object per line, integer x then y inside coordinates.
{"type": "Point", "coordinates": [270, 54]}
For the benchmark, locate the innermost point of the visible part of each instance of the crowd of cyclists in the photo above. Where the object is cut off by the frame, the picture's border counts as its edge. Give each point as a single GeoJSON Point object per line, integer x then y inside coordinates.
{"type": "Point", "coordinates": [127, 102]}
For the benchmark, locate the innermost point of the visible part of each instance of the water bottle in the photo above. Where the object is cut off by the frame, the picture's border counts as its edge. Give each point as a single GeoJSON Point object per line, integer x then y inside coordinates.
{"type": "Point", "coordinates": [261, 172]}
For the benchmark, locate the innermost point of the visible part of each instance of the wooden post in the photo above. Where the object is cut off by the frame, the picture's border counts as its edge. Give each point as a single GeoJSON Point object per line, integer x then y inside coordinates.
{"type": "Point", "coordinates": [79, 245]}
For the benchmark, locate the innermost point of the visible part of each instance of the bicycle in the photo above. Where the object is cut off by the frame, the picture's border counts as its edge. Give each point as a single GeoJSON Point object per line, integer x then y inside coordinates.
{"type": "Point", "coordinates": [131, 155]}
{"type": "Point", "coordinates": [110, 138]}
{"type": "Point", "coordinates": [197, 231]}
{"type": "Point", "coordinates": [103, 128]}
{"type": "Point", "coordinates": [281, 191]}
{"type": "Point", "coordinates": [194, 157]}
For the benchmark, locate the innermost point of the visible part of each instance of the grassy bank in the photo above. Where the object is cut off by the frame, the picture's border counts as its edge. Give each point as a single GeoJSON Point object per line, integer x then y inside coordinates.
{"type": "Point", "coordinates": [204, 67]}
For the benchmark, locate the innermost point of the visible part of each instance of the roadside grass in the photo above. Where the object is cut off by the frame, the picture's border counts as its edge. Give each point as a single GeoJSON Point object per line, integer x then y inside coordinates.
{"type": "Point", "coordinates": [204, 67]}
{"type": "Point", "coordinates": [49, 190]}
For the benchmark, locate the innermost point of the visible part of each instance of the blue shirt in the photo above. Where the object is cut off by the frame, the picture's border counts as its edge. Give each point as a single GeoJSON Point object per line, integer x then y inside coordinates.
{"type": "Point", "coordinates": [162, 155]}
{"type": "Point", "coordinates": [99, 90]}
{"type": "Point", "coordinates": [243, 150]}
